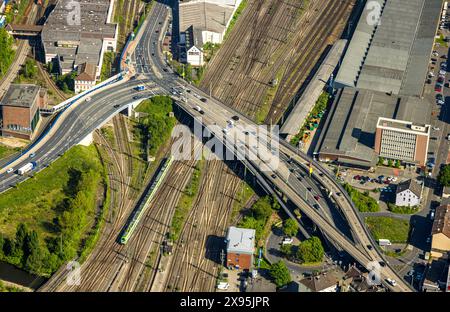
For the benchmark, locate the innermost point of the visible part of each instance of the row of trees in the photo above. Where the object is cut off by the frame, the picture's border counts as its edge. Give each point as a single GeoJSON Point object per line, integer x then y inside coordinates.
{"type": "Point", "coordinates": [362, 201]}
{"type": "Point", "coordinates": [444, 175]}
{"type": "Point", "coordinates": [309, 251]}
{"type": "Point", "coordinates": [259, 215]}
{"type": "Point", "coordinates": [29, 252]}
{"type": "Point", "coordinates": [390, 162]}
{"type": "Point", "coordinates": [6, 51]}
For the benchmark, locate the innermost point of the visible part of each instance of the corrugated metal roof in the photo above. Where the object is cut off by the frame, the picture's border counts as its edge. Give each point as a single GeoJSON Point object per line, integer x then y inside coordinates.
{"type": "Point", "coordinates": [392, 57]}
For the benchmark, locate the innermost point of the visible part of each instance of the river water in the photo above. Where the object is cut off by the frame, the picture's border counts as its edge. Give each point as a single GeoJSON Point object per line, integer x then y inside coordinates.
{"type": "Point", "coordinates": [14, 275]}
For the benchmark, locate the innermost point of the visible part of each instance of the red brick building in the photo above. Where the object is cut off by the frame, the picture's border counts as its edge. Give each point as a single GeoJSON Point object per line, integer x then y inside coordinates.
{"type": "Point", "coordinates": [19, 110]}
{"type": "Point", "coordinates": [240, 248]}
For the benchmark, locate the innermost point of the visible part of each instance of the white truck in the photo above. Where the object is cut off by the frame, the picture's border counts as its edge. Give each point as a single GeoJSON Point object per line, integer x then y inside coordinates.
{"type": "Point", "coordinates": [26, 168]}
{"type": "Point", "coordinates": [384, 242]}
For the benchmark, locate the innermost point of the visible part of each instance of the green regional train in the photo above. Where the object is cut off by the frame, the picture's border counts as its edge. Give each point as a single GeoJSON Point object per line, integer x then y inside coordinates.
{"type": "Point", "coordinates": [139, 212]}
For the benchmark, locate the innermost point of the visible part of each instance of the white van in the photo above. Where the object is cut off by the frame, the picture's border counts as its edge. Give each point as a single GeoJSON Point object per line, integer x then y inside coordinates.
{"type": "Point", "coordinates": [223, 286]}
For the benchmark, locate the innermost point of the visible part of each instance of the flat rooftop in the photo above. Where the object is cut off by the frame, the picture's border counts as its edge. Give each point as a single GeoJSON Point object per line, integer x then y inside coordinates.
{"type": "Point", "coordinates": [403, 126]}
{"type": "Point", "coordinates": [20, 95]}
{"type": "Point", "coordinates": [240, 240]}
{"type": "Point", "coordinates": [349, 131]}
{"type": "Point", "coordinates": [398, 50]}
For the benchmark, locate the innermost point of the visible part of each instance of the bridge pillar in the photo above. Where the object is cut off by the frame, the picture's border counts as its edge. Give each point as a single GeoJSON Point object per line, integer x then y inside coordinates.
{"type": "Point", "coordinates": [87, 140]}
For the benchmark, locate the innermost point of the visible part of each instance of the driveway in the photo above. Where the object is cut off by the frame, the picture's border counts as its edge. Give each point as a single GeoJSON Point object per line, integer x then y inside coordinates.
{"type": "Point", "coordinates": [273, 254]}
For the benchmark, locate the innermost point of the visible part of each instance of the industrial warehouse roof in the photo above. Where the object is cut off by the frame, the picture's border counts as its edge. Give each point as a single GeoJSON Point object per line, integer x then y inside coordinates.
{"type": "Point", "coordinates": [349, 131]}
{"type": "Point", "coordinates": [312, 92]}
{"type": "Point", "coordinates": [240, 240]}
{"type": "Point", "coordinates": [210, 15]}
{"type": "Point", "coordinates": [20, 95]}
{"type": "Point", "coordinates": [77, 44]}
{"type": "Point", "coordinates": [394, 56]}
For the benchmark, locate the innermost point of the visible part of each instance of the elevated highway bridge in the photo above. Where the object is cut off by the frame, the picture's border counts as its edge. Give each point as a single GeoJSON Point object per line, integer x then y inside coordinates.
{"type": "Point", "coordinates": [78, 120]}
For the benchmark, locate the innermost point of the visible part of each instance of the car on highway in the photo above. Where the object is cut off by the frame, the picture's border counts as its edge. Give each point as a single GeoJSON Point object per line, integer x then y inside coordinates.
{"type": "Point", "coordinates": [273, 176]}
{"type": "Point", "coordinates": [10, 170]}
{"type": "Point", "coordinates": [235, 118]}
{"type": "Point", "coordinates": [136, 97]}
{"type": "Point", "coordinates": [87, 99]}
{"type": "Point", "coordinates": [382, 263]}
{"type": "Point", "coordinates": [203, 100]}
{"type": "Point", "coordinates": [369, 247]}
{"type": "Point", "coordinates": [316, 197]}
{"type": "Point", "coordinates": [309, 189]}
{"type": "Point", "coordinates": [117, 106]}
{"type": "Point", "coordinates": [140, 88]}
{"type": "Point", "coordinates": [32, 155]}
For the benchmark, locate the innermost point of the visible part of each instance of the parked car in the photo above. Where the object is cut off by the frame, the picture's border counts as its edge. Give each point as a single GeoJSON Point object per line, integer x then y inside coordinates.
{"type": "Point", "coordinates": [392, 282]}
{"type": "Point", "coordinates": [223, 286]}
{"type": "Point", "coordinates": [438, 88]}
{"type": "Point", "coordinates": [287, 241]}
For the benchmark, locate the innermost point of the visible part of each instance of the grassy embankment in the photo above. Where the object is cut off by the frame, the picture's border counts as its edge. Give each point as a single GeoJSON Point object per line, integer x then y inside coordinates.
{"type": "Point", "coordinates": [54, 216]}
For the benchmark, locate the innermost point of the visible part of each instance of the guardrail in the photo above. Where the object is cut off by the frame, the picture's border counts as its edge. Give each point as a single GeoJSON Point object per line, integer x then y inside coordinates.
{"type": "Point", "coordinates": [68, 102]}
{"type": "Point", "coordinates": [59, 109]}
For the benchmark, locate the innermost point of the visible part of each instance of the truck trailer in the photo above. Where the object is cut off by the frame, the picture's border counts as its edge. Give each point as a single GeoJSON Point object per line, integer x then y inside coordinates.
{"type": "Point", "coordinates": [26, 168]}
{"type": "Point", "coordinates": [384, 242]}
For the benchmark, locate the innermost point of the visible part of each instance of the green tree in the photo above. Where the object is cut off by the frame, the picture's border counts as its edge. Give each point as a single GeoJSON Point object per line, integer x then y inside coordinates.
{"type": "Point", "coordinates": [262, 209]}
{"type": "Point", "coordinates": [290, 227]}
{"type": "Point", "coordinates": [286, 250]}
{"type": "Point", "coordinates": [29, 69]}
{"type": "Point", "coordinates": [6, 51]}
{"type": "Point", "coordinates": [444, 176]}
{"type": "Point", "coordinates": [380, 161]}
{"type": "Point", "coordinates": [390, 162]}
{"type": "Point", "coordinates": [397, 164]}
{"type": "Point", "coordinates": [2, 242]}
{"type": "Point", "coordinates": [32, 253]}
{"type": "Point", "coordinates": [310, 250]}
{"type": "Point", "coordinates": [280, 274]}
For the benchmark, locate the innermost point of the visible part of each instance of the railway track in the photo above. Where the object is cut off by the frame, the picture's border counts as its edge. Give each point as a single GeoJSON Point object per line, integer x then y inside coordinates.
{"type": "Point", "coordinates": [50, 83]}
{"type": "Point", "coordinates": [274, 43]}
{"type": "Point", "coordinates": [332, 21]}
{"type": "Point", "coordinates": [196, 256]}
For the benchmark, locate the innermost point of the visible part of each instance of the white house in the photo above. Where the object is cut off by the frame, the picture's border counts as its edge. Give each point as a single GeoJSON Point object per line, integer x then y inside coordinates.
{"type": "Point", "coordinates": [194, 46]}
{"type": "Point", "coordinates": [408, 193]}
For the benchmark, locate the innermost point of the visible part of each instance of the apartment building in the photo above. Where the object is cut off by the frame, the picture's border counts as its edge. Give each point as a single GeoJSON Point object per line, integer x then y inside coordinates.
{"type": "Point", "coordinates": [402, 140]}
